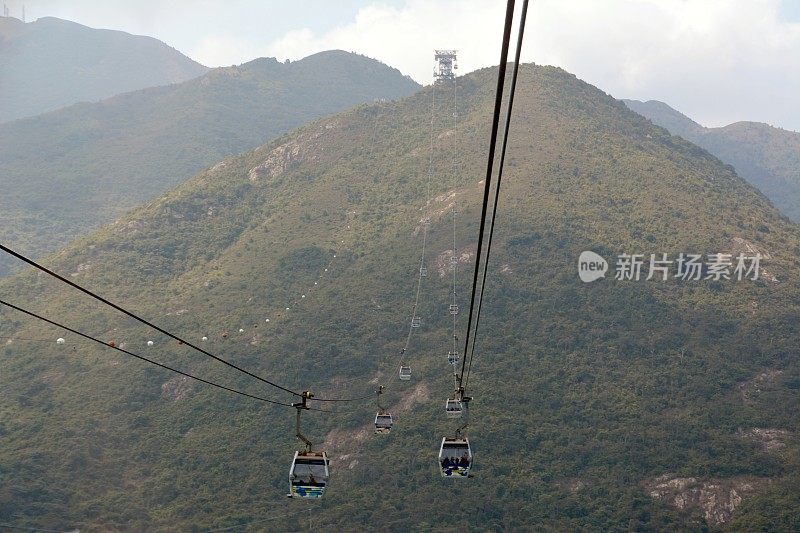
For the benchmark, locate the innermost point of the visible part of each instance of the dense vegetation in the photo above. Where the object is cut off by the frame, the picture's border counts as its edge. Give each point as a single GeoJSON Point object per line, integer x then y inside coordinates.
{"type": "Point", "coordinates": [70, 171]}
{"type": "Point", "coordinates": [766, 156]}
{"type": "Point", "coordinates": [52, 63]}
{"type": "Point", "coordinates": [583, 393]}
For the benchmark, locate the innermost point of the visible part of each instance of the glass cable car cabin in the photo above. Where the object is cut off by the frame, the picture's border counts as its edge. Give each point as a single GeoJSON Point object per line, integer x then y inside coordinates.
{"type": "Point", "coordinates": [405, 373]}
{"type": "Point", "coordinates": [309, 475]}
{"type": "Point", "coordinates": [454, 408]}
{"type": "Point", "coordinates": [416, 322]}
{"type": "Point", "coordinates": [383, 423]}
{"type": "Point", "coordinates": [452, 357]}
{"type": "Point", "coordinates": [455, 458]}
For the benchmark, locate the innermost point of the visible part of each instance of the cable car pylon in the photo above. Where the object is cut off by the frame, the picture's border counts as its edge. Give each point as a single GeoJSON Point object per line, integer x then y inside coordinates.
{"type": "Point", "coordinates": [310, 470]}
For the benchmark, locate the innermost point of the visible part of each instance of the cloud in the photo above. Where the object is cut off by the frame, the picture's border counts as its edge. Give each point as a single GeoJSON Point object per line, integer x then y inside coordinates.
{"type": "Point", "coordinates": [222, 51]}
{"type": "Point", "coordinates": [718, 61]}
{"type": "Point", "coordinates": [405, 37]}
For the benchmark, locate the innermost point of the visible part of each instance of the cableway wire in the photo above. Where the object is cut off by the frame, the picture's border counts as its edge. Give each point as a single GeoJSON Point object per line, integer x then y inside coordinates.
{"type": "Point", "coordinates": [25, 528]}
{"type": "Point", "coordinates": [371, 395]}
{"type": "Point", "coordinates": [14, 339]}
{"type": "Point", "coordinates": [454, 257]}
{"type": "Point", "coordinates": [140, 319]}
{"type": "Point", "coordinates": [296, 516]}
{"type": "Point", "coordinates": [425, 227]}
{"type": "Point", "coordinates": [161, 330]}
{"type": "Point", "coordinates": [489, 168]}
{"type": "Point", "coordinates": [166, 367]}
{"type": "Point", "coordinates": [511, 92]}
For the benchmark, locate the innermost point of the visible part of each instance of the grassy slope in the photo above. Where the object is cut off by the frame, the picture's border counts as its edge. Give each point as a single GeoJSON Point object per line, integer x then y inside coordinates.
{"type": "Point", "coordinates": [68, 172]}
{"type": "Point", "coordinates": [610, 384]}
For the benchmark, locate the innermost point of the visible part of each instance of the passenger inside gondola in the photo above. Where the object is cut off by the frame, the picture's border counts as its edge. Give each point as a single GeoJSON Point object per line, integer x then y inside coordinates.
{"type": "Point", "coordinates": [455, 460]}
{"type": "Point", "coordinates": [309, 474]}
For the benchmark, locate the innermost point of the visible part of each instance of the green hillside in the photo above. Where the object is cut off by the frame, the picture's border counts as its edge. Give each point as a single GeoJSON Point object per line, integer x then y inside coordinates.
{"type": "Point", "coordinates": [71, 171]}
{"type": "Point", "coordinates": [52, 63]}
{"type": "Point", "coordinates": [766, 156]}
{"type": "Point", "coordinates": [597, 406]}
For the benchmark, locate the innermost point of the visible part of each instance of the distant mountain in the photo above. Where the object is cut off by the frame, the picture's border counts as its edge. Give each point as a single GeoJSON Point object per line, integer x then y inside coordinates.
{"type": "Point", "coordinates": [617, 405]}
{"type": "Point", "coordinates": [766, 156]}
{"type": "Point", "coordinates": [52, 63]}
{"type": "Point", "coordinates": [66, 172]}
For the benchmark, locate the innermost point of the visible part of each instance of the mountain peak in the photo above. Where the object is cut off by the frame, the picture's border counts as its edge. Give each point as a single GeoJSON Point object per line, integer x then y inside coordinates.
{"type": "Point", "coordinates": [246, 104]}
{"type": "Point", "coordinates": [52, 63]}
{"type": "Point", "coordinates": [665, 116]}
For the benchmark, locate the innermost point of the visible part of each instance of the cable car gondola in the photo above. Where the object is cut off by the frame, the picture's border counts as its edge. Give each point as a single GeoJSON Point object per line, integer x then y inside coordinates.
{"type": "Point", "coordinates": [405, 373]}
{"type": "Point", "coordinates": [455, 458]}
{"type": "Point", "coordinates": [309, 474]}
{"type": "Point", "coordinates": [454, 408]}
{"type": "Point", "coordinates": [383, 423]}
{"type": "Point", "coordinates": [310, 470]}
{"type": "Point", "coordinates": [452, 357]}
{"type": "Point", "coordinates": [383, 419]}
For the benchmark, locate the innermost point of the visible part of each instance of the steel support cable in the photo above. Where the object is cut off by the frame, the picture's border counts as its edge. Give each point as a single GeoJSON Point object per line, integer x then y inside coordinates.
{"type": "Point", "coordinates": [511, 92]}
{"type": "Point", "coordinates": [383, 361]}
{"type": "Point", "coordinates": [161, 330]}
{"type": "Point", "coordinates": [425, 225]}
{"type": "Point", "coordinates": [26, 528]}
{"type": "Point", "coordinates": [140, 319]}
{"type": "Point", "coordinates": [14, 339]}
{"type": "Point", "coordinates": [358, 399]}
{"type": "Point", "coordinates": [146, 359]}
{"type": "Point", "coordinates": [453, 258]}
{"type": "Point", "coordinates": [489, 166]}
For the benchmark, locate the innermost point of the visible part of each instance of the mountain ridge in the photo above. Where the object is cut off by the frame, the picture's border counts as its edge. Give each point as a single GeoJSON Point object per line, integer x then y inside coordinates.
{"type": "Point", "coordinates": [768, 157]}
{"type": "Point", "coordinates": [41, 71]}
{"type": "Point", "coordinates": [74, 169]}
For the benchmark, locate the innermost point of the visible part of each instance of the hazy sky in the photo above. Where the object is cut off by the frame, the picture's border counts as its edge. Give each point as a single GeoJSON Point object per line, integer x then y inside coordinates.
{"type": "Point", "coordinates": [718, 61]}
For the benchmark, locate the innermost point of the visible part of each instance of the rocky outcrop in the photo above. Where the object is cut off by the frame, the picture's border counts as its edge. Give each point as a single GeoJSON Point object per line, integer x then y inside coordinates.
{"type": "Point", "coordinates": [176, 388]}
{"type": "Point", "coordinates": [771, 440]}
{"type": "Point", "coordinates": [715, 499]}
{"type": "Point", "coordinates": [445, 260]}
{"type": "Point", "coordinates": [752, 388]}
{"type": "Point", "coordinates": [278, 160]}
